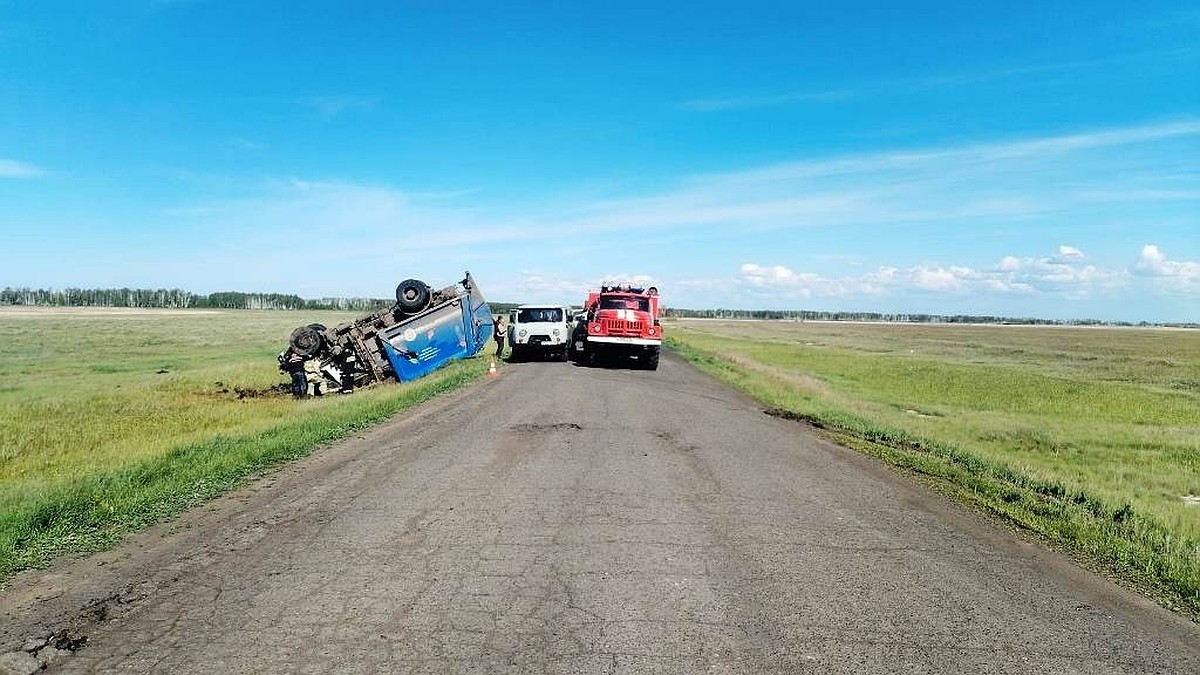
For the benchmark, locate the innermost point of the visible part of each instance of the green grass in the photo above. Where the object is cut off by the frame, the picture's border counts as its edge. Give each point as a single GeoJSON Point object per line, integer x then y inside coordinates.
{"type": "Point", "coordinates": [1088, 437]}
{"type": "Point", "coordinates": [111, 422]}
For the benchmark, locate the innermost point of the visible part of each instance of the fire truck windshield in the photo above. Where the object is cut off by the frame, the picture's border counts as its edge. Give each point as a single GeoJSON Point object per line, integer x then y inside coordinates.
{"type": "Point", "coordinates": [639, 304]}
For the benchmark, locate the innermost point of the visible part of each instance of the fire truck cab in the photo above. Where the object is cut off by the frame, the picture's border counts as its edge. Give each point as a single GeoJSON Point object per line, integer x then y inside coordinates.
{"type": "Point", "coordinates": [621, 324]}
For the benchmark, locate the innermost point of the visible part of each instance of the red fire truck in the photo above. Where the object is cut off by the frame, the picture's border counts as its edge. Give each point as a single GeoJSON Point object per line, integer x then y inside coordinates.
{"type": "Point", "coordinates": [619, 323]}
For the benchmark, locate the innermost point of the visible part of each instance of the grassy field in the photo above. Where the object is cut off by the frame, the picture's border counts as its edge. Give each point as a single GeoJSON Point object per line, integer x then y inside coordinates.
{"type": "Point", "coordinates": [1089, 437]}
{"type": "Point", "coordinates": [113, 420]}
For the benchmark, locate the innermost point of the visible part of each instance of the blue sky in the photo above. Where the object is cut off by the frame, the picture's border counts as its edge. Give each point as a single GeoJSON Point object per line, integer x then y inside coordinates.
{"type": "Point", "coordinates": [1017, 158]}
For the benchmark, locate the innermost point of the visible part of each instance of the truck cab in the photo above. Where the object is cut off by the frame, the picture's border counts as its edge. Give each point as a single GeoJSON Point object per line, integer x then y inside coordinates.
{"type": "Point", "coordinates": [621, 324]}
{"type": "Point", "coordinates": [539, 331]}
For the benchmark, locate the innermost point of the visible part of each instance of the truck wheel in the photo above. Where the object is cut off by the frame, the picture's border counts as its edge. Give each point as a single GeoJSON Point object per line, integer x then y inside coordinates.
{"type": "Point", "coordinates": [412, 296]}
{"type": "Point", "coordinates": [596, 356]}
{"type": "Point", "coordinates": [306, 341]}
{"type": "Point", "coordinates": [650, 361]}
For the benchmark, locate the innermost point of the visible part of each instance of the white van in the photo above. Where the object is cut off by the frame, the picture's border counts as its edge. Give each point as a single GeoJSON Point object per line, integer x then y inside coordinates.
{"type": "Point", "coordinates": [539, 330]}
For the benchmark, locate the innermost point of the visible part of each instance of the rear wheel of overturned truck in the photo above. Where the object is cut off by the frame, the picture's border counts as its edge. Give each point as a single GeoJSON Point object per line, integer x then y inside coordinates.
{"type": "Point", "coordinates": [412, 296]}
{"type": "Point", "coordinates": [308, 341]}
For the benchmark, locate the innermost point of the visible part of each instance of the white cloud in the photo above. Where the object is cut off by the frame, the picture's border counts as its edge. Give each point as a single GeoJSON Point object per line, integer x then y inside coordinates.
{"type": "Point", "coordinates": [1172, 275]}
{"type": "Point", "coordinates": [1064, 276]}
{"type": "Point", "coordinates": [776, 275]}
{"type": "Point", "coordinates": [10, 168]}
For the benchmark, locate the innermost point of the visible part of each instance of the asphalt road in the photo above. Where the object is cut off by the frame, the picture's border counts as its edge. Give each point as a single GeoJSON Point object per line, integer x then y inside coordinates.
{"type": "Point", "coordinates": [564, 519]}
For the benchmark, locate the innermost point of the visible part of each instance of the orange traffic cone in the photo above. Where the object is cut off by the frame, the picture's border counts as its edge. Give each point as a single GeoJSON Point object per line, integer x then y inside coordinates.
{"type": "Point", "coordinates": [492, 367]}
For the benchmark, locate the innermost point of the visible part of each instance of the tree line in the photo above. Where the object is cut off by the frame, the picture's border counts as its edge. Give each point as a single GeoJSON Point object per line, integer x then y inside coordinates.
{"type": "Point", "coordinates": [174, 298]}
{"type": "Point", "coordinates": [886, 317]}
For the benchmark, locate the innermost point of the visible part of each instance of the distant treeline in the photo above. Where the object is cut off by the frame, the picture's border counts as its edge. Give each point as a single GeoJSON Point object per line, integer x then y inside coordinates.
{"type": "Point", "coordinates": [809, 315]}
{"type": "Point", "coordinates": [175, 298]}
{"type": "Point", "coordinates": [179, 299]}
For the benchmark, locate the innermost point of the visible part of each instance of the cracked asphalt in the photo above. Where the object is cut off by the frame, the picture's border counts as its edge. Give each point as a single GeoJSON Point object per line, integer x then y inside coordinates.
{"type": "Point", "coordinates": [562, 519]}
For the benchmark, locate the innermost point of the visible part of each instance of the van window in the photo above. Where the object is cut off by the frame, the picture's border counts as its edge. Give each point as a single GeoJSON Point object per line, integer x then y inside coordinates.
{"type": "Point", "coordinates": [548, 315]}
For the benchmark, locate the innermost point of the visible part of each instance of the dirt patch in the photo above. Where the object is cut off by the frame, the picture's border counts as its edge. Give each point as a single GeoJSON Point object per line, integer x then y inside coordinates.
{"type": "Point", "coordinates": [793, 416]}
{"type": "Point", "coordinates": [917, 412]}
{"type": "Point", "coordinates": [280, 389]}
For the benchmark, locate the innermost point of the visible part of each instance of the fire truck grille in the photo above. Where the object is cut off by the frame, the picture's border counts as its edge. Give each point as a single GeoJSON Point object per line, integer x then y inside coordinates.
{"type": "Point", "coordinates": [624, 328]}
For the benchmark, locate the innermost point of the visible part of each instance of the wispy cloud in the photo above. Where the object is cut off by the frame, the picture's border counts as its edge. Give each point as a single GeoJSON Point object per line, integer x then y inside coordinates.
{"type": "Point", "coordinates": [10, 168]}
{"type": "Point", "coordinates": [739, 102]}
{"type": "Point", "coordinates": [1140, 170]}
{"type": "Point", "coordinates": [982, 182]}
{"type": "Point", "coordinates": [870, 89]}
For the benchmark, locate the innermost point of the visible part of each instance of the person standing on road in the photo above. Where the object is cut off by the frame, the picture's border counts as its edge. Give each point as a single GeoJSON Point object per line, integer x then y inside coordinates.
{"type": "Point", "coordinates": [500, 332]}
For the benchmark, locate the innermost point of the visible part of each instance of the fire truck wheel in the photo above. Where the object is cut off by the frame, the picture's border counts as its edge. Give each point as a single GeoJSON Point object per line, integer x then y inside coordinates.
{"type": "Point", "coordinates": [412, 296]}
{"type": "Point", "coordinates": [651, 361]}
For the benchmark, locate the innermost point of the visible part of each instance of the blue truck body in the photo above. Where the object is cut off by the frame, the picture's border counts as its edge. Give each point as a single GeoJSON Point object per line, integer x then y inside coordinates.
{"type": "Point", "coordinates": [455, 329]}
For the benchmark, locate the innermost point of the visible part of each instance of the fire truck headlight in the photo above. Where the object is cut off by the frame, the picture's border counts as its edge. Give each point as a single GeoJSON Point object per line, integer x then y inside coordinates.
{"type": "Point", "coordinates": [556, 332]}
{"type": "Point", "coordinates": [523, 333]}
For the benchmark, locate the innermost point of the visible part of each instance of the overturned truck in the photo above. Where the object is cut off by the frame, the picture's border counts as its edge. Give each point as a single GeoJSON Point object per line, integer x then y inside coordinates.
{"type": "Point", "coordinates": [422, 331]}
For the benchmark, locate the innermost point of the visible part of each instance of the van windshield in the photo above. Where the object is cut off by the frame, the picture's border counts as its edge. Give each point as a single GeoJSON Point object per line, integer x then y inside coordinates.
{"type": "Point", "coordinates": [548, 315]}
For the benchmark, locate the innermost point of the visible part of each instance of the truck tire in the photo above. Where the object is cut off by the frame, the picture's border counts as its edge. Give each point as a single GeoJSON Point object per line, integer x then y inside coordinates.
{"type": "Point", "coordinates": [412, 296]}
{"type": "Point", "coordinates": [650, 360]}
{"type": "Point", "coordinates": [306, 341]}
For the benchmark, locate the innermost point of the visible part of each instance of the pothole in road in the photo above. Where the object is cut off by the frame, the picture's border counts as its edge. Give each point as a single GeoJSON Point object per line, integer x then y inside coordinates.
{"type": "Point", "coordinates": [544, 428]}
